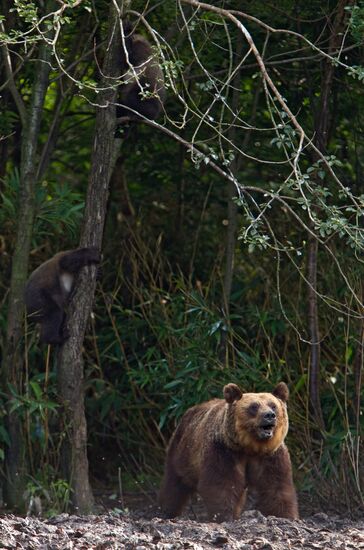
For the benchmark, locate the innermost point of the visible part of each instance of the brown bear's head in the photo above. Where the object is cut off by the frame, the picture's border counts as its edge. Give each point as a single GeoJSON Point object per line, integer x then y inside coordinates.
{"type": "Point", "coordinates": [260, 420]}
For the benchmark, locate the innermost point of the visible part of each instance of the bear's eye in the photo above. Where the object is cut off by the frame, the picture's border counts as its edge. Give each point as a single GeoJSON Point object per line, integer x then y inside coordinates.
{"type": "Point", "coordinates": [272, 405]}
{"type": "Point", "coordinates": [253, 409]}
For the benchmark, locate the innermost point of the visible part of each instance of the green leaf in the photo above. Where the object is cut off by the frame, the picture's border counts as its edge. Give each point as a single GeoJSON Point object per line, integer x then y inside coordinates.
{"type": "Point", "coordinates": [37, 390]}
{"type": "Point", "coordinates": [173, 384]}
{"type": "Point", "coordinates": [4, 436]}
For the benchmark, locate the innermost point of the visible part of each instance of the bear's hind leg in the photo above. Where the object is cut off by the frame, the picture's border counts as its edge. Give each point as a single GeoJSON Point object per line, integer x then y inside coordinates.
{"type": "Point", "coordinates": [52, 327]}
{"type": "Point", "coordinates": [173, 495]}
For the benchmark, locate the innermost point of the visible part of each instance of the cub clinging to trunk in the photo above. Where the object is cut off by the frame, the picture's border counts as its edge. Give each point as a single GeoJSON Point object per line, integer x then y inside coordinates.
{"type": "Point", "coordinates": [48, 290]}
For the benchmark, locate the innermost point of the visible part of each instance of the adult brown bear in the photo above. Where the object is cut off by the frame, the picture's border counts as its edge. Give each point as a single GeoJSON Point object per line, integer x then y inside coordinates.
{"type": "Point", "coordinates": [226, 448]}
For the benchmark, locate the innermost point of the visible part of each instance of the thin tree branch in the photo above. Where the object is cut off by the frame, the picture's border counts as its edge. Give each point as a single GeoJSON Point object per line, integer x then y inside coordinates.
{"type": "Point", "coordinates": [10, 81]}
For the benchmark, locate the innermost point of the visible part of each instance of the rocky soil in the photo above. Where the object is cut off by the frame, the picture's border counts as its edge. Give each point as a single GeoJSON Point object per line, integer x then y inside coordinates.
{"type": "Point", "coordinates": [130, 532]}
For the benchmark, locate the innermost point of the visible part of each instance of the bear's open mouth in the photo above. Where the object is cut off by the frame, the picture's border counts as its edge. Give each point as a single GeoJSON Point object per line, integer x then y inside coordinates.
{"type": "Point", "coordinates": [266, 430]}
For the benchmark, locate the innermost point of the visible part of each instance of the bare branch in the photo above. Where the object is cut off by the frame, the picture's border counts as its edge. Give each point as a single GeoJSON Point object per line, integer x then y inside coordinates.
{"type": "Point", "coordinates": [10, 81]}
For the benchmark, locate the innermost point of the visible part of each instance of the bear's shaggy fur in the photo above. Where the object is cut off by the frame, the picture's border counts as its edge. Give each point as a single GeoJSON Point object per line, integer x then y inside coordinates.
{"type": "Point", "coordinates": [143, 88]}
{"type": "Point", "coordinates": [226, 448]}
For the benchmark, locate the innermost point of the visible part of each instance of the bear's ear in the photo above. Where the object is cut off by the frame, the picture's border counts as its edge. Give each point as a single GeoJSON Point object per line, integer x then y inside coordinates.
{"type": "Point", "coordinates": [281, 391]}
{"type": "Point", "coordinates": [232, 393]}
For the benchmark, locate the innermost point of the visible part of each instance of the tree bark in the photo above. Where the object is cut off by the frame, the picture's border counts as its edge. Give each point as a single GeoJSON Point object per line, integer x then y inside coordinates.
{"type": "Point", "coordinates": [70, 361]}
{"type": "Point", "coordinates": [322, 136]}
{"type": "Point", "coordinates": [313, 322]}
{"type": "Point", "coordinates": [232, 212]}
{"type": "Point", "coordinates": [358, 373]}
{"type": "Point", "coordinates": [232, 208]}
{"type": "Point", "coordinates": [12, 362]}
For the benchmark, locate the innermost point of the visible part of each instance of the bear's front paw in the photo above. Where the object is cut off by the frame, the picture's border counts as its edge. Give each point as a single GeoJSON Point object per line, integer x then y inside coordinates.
{"type": "Point", "coordinates": [93, 255]}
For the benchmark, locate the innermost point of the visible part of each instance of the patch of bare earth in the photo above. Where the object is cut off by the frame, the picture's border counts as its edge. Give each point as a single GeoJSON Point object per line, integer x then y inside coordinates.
{"type": "Point", "coordinates": [251, 532]}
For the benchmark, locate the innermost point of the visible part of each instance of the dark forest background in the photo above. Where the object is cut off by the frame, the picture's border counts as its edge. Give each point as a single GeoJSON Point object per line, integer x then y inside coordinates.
{"type": "Point", "coordinates": [233, 239]}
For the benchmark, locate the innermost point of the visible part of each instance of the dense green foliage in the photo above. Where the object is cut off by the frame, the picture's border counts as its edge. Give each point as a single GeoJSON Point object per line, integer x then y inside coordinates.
{"type": "Point", "coordinates": [161, 337]}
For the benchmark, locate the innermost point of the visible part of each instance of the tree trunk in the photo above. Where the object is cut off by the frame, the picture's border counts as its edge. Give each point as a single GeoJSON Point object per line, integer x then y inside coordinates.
{"type": "Point", "coordinates": [358, 373]}
{"type": "Point", "coordinates": [70, 361]}
{"type": "Point", "coordinates": [232, 208]}
{"type": "Point", "coordinates": [322, 135]}
{"type": "Point", "coordinates": [313, 322]}
{"type": "Point", "coordinates": [232, 212]}
{"type": "Point", "coordinates": [12, 363]}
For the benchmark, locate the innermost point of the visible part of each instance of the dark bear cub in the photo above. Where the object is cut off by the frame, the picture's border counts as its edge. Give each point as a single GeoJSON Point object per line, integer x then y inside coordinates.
{"type": "Point", "coordinates": [227, 448]}
{"type": "Point", "coordinates": [48, 289]}
{"type": "Point", "coordinates": [143, 88]}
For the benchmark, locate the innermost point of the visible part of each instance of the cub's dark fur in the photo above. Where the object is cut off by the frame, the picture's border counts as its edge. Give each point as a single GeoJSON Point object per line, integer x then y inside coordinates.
{"type": "Point", "coordinates": [48, 289]}
{"type": "Point", "coordinates": [145, 78]}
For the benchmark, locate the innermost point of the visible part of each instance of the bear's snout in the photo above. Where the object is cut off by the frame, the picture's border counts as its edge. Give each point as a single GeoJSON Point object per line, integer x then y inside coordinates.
{"type": "Point", "coordinates": [267, 425]}
{"type": "Point", "coordinates": [269, 416]}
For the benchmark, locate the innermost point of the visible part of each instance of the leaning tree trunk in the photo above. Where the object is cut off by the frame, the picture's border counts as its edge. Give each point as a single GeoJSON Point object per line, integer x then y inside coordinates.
{"type": "Point", "coordinates": [12, 362]}
{"type": "Point", "coordinates": [70, 361]}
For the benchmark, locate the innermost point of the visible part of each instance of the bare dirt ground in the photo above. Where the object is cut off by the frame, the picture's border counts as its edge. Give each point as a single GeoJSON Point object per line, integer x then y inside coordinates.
{"type": "Point", "coordinates": [133, 531]}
